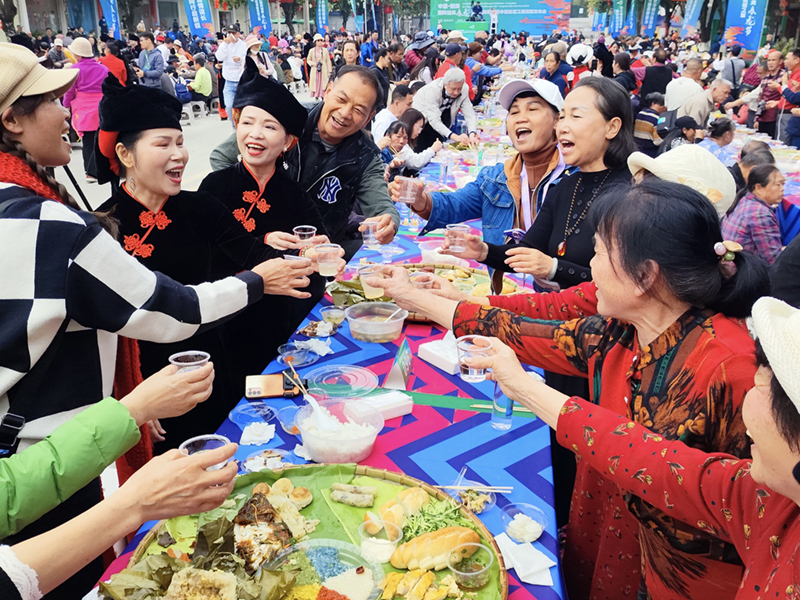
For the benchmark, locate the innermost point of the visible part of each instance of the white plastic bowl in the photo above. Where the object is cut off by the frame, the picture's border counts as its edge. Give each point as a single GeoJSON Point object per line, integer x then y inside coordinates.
{"type": "Point", "coordinates": [338, 449]}
{"type": "Point", "coordinates": [368, 321]}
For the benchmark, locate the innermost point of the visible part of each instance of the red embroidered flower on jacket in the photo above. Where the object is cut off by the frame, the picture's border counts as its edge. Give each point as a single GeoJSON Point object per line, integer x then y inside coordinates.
{"type": "Point", "coordinates": [263, 206]}
{"type": "Point", "coordinates": [250, 197]}
{"type": "Point", "coordinates": [249, 224]}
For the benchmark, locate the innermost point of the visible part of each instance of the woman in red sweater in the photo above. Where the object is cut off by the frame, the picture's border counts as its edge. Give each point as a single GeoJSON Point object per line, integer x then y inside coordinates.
{"type": "Point", "coordinates": [114, 63]}
{"type": "Point", "coordinates": [670, 352]}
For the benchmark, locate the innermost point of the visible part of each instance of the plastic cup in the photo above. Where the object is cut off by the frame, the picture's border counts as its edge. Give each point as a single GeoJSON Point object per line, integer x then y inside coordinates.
{"type": "Point", "coordinates": [379, 539]}
{"type": "Point", "coordinates": [295, 258]}
{"type": "Point", "coordinates": [472, 346]}
{"type": "Point", "coordinates": [286, 417]}
{"type": "Point", "coordinates": [370, 292]}
{"type": "Point", "coordinates": [368, 232]}
{"type": "Point", "coordinates": [328, 259]}
{"type": "Point", "coordinates": [204, 443]}
{"type": "Point", "coordinates": [332, 314]}
{"type": "Point", "coordinates": [408, 189]}
{"type": "Point", "coordinates": [422, 281]}
{"type": "Point", "coordinates": [305, 232]}
{"type": "Point", "coordinates": [470, 565]}
{"type": "Point", "coordinates": [457, 236]}
{"type": "Point", "coordinates": [189, 360]}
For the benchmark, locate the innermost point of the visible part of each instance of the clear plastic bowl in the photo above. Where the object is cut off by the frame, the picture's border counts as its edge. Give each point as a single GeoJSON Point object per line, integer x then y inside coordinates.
{"type": "Point", "coordinates": [368, 321]}
{"type": "Point", "coordinates": [340, 449]}
{"type": "Point", "coordinates": [511, 510]}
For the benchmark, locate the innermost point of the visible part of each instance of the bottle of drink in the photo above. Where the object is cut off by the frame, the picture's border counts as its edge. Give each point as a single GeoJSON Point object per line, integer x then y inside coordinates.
{"type": "Point", "coordinates": [502, 410]}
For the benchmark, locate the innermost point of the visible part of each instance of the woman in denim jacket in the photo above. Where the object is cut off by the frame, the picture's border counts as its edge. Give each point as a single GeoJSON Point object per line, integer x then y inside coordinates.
{"type": "Point", "coordinates": [496, 196]}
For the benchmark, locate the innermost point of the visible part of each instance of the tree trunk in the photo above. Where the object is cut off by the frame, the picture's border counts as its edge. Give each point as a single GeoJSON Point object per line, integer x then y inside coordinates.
{"type": "Point", "coordinates": [288, 12]}
{"type": "Point", "coordinates": [707, 17]}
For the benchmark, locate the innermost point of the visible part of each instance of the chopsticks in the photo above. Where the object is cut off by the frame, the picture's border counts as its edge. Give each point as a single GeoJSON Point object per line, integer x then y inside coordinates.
{"type": "Point", "coordinates": [478, 488]}
{"type": "Point", "coordinates": [489, 407]}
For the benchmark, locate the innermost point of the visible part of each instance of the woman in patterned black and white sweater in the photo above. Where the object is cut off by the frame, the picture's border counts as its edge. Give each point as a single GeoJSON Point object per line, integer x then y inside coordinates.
{"type": "Point", "coordinates": [67, 288]}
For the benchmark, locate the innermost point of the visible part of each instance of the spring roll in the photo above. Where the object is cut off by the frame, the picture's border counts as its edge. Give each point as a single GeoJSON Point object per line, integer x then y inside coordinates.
{"type": "Point", "coordinates": [357, 500]}
{"type": "Point", "coordinates": [355, 489]}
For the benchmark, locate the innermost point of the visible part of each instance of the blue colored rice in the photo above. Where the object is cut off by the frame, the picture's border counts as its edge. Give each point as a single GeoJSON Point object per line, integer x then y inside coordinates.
{"type": "Point", "coordinates": [326, 562]}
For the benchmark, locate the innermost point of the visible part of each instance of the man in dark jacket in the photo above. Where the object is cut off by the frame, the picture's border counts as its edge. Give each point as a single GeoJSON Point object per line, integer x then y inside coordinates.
{"type": "Point", "coordinates": [656, 77]}
{"type": "Point", "coordinates": [337, 162]}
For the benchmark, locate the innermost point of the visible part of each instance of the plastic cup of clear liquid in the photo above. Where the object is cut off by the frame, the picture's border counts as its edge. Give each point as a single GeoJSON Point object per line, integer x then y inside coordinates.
{"type": "Point", "coordinates": [408, 189]}
{"type": "Point", "coordinates": [472, 346]}
{"type": "Point", "coordinates": [328, 259]}
{"type": "Point", "coordinates": [305, 232]}
{"type": "Point", "coordinates": [189, 360]}
{"type": "Point", "coordinates": [457, 236]}
{"type": "Point", "coordinates": [364, 273]}
{"type": "Point", "coordinates": [204, 443]}
{"type": "Point", "coordinates": [370, 228]}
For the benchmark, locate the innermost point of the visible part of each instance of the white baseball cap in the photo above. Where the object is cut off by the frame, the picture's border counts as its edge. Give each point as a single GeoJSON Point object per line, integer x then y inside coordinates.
{"type": "Point", "coordinates": [548, 91]}
{"type": "Point", "coordinates": [777, 326]}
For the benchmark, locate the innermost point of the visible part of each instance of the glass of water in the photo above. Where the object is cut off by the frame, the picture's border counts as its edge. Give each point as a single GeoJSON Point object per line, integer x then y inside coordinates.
{"type": "Point", "coordinates": [408, 189]}
{"type": "Point", "coordinates": [370, 228]}
{"type": "Point", "coordinates": [204, 443]}
{"type": "Point", "coordinates": [472, 346]}
{"type": "Point", "coordinates": [457, 236]}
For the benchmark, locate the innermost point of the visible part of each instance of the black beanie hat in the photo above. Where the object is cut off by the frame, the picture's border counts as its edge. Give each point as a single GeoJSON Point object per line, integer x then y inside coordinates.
{"type": "Point", "coordinates": [127, 109]}
{"type": "Point", "coordinates": [269, 95]}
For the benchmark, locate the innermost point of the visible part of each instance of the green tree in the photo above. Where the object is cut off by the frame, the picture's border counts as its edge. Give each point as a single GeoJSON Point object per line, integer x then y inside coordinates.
{"type": "Point", "coordinates": [289, 11]}
{"type": "Point", "coordinates": [411, 8]}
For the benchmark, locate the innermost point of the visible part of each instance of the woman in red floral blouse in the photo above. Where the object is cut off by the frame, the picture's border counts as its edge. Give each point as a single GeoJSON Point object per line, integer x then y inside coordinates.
{"type": "Point", "coordinates": [671, 352]}
{"type": "Point", "coordinates": [752, 504]}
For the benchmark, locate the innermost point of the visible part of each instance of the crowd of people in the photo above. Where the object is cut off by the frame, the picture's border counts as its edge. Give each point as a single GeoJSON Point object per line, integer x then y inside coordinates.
{"type": "Point", "coordinates": [649, 244]}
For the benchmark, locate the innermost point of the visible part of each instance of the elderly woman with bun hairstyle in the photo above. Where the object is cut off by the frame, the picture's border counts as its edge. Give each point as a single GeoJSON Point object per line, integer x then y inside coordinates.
{"type": "Point", "coordinates": [69, 288]}
{"type": "Point", "coordinates": [665, 346]}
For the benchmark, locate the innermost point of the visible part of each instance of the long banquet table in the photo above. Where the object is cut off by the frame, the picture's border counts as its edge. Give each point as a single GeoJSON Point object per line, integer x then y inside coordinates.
{"type": "Point", "coordinates": [441, 435]}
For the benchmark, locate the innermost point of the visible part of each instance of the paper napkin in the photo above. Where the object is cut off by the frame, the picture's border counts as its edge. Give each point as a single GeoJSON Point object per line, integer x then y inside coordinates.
{"type": "Point", "coordinates": [317, 346]}
{"type": "Point", "coordinates": [532, 566]}
{"type": "Point", "coordinates": [257, 434]}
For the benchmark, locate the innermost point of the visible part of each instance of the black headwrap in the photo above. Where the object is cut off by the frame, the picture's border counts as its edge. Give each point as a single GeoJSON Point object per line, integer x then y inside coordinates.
{"type": "Point", "coordinates": [269, 95]}
{"type": "Point", "coordinates": [127, 109]}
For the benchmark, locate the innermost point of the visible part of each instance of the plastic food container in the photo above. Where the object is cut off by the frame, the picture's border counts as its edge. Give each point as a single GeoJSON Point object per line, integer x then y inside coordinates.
{"type": "Point", "coordinates": [470, 565]}
{"type": "Point", "coordinates": [344, 445]}
{"type": "Point", "coordinates": [512, 510]}
{"type": "Point", "coordinates": [368, 321]}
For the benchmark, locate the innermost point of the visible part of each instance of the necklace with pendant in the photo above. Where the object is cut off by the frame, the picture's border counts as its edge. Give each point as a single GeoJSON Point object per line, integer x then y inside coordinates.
{"type": "Point", "coordinates": [561, 249]}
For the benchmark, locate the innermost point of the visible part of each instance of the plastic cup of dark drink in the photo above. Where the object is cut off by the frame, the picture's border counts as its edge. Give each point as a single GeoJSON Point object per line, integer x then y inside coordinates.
{"type": "Point", "coordinates": [189, 360]}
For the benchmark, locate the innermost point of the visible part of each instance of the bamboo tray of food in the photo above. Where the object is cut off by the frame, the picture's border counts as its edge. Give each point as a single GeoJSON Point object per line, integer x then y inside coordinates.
{"type": "Point", "coordinates": [475, 282]}
{"type": "Point", "coordinates": [331, 521]}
